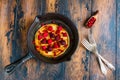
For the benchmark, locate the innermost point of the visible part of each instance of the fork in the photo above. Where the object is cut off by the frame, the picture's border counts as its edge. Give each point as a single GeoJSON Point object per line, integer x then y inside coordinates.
{"type": "Point", "coordinates": [90, 48]}
{"type": "Point", "coordinates": [93, 49]}
{"type": "Point", "coordinates": [92, 40]}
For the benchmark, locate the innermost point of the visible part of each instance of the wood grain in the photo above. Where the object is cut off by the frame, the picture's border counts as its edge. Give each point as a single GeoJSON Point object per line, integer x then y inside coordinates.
{"type": "Point", "coordinates": [16, 16]}
{"type": "Point", "coordinates": [77, 12]}
{"type": "Point", "coordinates": [118, 40]}
{"type": "Point", "coordinates": [104, 32]}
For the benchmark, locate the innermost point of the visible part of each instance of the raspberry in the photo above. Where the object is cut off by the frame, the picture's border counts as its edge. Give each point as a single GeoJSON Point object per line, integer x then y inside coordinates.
{"type": "Point", "coordinates": [50, 28]}
{"type": "Point", "coordinates": [56, 45]}
{"type": "Point", "coordinates": [49, 41]}
{"type": "Point", "coordinates": [59, 28]}
{"type": "Point", "coordinates": [43, 47]}
{"type": "Point", "coordinates": [58, 31]}
{"type": "Point", "coordinates": [39, 37]}
{"type": "Point", "coordinates": [64, 34]}
{"type": "Point", "coordinates": [44, 41]}
{"type": "Point", "coordinates": [45, 34]}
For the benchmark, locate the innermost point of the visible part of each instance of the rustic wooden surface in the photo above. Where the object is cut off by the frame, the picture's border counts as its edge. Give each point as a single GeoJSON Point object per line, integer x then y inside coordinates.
{"type": "Point", "coordinates": [16, 16]}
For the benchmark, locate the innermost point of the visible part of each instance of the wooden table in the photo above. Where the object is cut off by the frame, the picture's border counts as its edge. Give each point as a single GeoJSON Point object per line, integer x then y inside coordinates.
{"type": "Point", "coordinates": [16, 16]}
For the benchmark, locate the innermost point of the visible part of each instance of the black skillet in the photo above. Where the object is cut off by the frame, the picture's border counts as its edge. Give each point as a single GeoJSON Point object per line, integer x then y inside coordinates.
{"type": "Point", "coordinates": [46, 19]}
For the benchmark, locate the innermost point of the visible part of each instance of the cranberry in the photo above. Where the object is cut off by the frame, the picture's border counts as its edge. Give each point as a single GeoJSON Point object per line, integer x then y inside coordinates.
{"type": "Point", "coordinates": [43, 47]}
{"type": "Point", "coordinates": [59, 28]}
{"type": "Point", "coordinates": [44, 41]}
{"type": "Point", "coordinates": [45, 34]}
{"type": "Point", "coordinates": [49, 41]}
{"type": "Point", "coordinates": [50, 28]}
{"type": "Point", "coordinates": [39, 37]}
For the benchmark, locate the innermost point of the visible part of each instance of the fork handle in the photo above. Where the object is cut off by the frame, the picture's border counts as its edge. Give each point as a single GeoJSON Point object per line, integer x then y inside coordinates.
{"type": "Point", "coordinates": [106, 62]}
{"type": "Point", "coordinates": [102, 66]}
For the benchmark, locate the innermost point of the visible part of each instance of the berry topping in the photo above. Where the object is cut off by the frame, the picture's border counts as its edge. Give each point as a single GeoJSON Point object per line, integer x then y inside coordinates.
{"type": "Point", "coordinates": [45, 34]}
{"type": "Point", "coordinates": [44, 47]}
{"type": "Point", "coordinates": [39, 37]}
{"type": "Point", "coordinates": [58, 31]}
{"type": "Point", "coordinates": [49, 41]}
{"type": "Point", "coordinates": [64, 34]}
{"type": "Point", "coordinates": [59, 28]}
{"type": "Point", "coordinates": [50, 28]}
{"type": "Point", "coordinates": [37, 47]}
{"type": "Point", "coordinates": [44, 41]}
{"type": "Point", "coordinates": [49, 48]}
{"type": "Point", "coordinates": [56, 45]}
{"type": "Point", "coordinates": [52, 35]}
{"type": "Point", "coordinates": [54, 54]}
{"type": "Point", "coordinates": [57, 37]}
{"type": "Point", "coordinates": [63, 42]}
{"type": "Point", "coordinates": [45, 31]}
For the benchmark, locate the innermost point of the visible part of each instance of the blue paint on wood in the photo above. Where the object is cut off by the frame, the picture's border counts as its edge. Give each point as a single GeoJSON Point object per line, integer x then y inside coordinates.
{"type": "Point", "coordinates": [53, 72]}
{"type": "Point", "coordinates": [118, 40]}
{"type": "Point", "coordinates": [86, 61]}
{"type": "Point", "coordinates": [16, 48]}
{"type": "Point", "coordinates": [41, 6]}
{"type": "Point", "coordinates": [8, 36]}
{"type": "Point", "coordinates": [62, 7]}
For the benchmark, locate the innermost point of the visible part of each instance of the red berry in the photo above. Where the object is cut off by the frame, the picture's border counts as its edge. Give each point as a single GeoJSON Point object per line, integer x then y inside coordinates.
{"type": "Point", "coordinates": [45, 34]}
{"type": "Point", "coordinates": [37, 47]}
{"type": "Point", "coordinates": [58, 31]}
{"type": "Point", "coordinates": [57, 37]}
{"type": "Point", "coordinates": [54, 54]}
{"type": "Point", "coordinates": [50, 28]}
{"type": "Point", "coordinates": [55, 45]}
{"type": "Point", "coordinates": [64, 34]}
{"type": "Point", "coordinates": [49, 41]}
{"type": "Point", "coordinates": [44, 47]}
{"type": "Point", "coordinates": [52, 35]}
{"type": "Point", "coordinates": [39, 37]}
{"type": "Point", "coordinates": [45, 31]}
{"type": "Point", "coordinates": [44, 41]}
{"type": "Point", "coordinates": [63, 42]}
{"type": "Point", "coordinates": [59, 28]}
{"type": "Point", "coordinates": [49, 48]}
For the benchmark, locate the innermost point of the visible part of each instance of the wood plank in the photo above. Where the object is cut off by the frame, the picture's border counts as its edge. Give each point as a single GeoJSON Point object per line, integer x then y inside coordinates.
{"type": "Point", "coordinates": [77, 11]}
{"type": "Point", "coordinates": [104, 32]}
{"type": "Point", "coordinates": [118, 40]}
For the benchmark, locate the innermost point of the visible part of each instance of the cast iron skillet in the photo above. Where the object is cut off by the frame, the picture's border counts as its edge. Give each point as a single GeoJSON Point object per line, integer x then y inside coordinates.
{"type": "Point", "coordinates": [48, 18]}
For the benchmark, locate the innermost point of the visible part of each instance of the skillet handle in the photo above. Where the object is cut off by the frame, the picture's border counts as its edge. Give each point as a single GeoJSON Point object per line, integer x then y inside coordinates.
{"type": "Point", "coordinates": [12, 67]}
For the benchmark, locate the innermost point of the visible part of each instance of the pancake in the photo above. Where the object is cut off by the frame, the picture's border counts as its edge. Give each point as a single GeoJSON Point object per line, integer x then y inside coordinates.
{"type": "Point", "coordinates": [51, 40]}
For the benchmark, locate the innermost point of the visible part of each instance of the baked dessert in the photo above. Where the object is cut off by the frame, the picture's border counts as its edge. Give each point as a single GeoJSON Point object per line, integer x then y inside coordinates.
{"type": "Point", "coordinates": [51, 40]}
